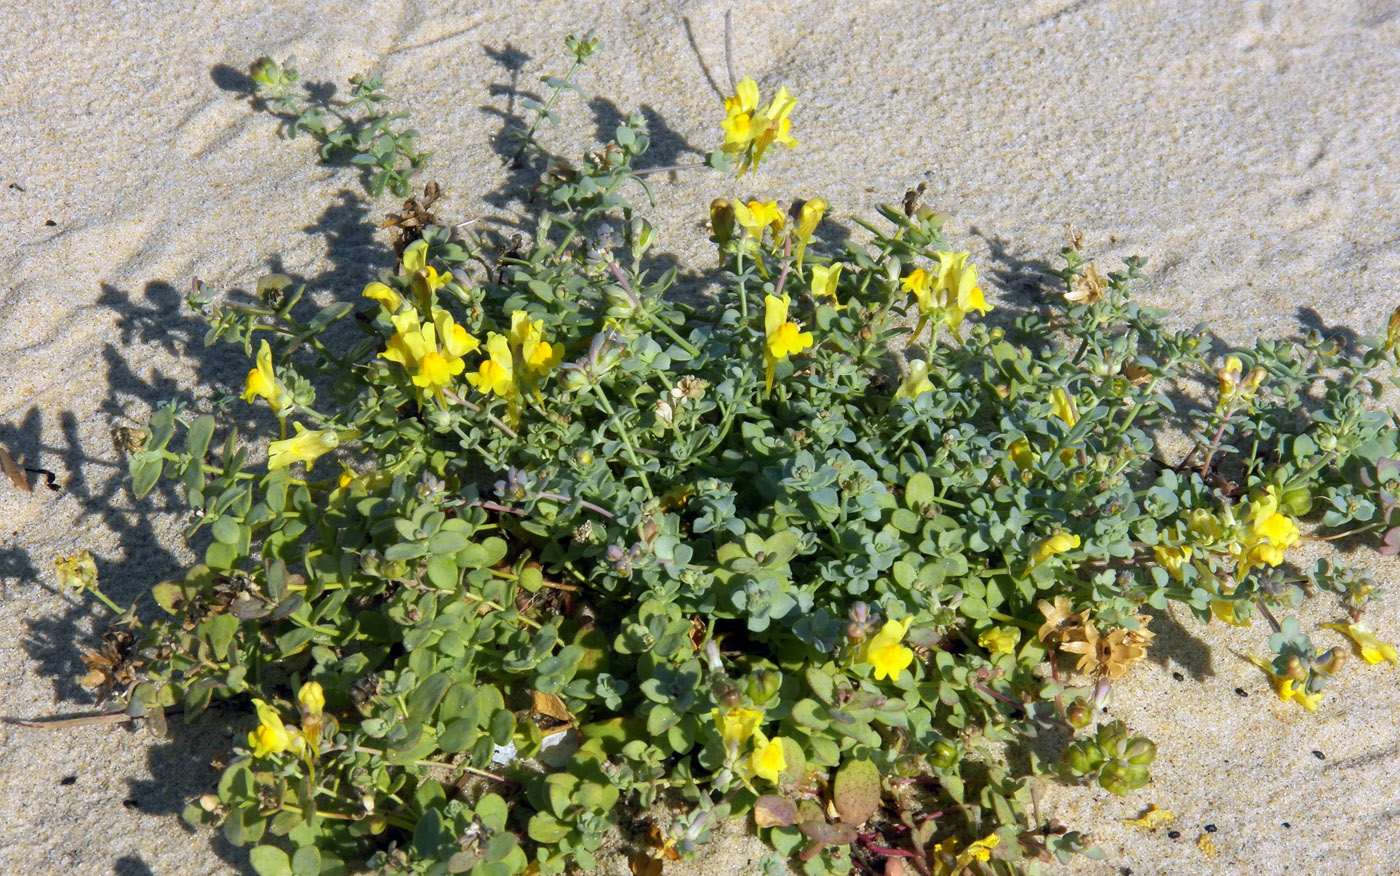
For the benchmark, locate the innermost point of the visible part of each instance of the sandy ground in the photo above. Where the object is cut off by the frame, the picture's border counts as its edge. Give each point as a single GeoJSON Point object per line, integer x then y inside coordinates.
{"type": "Point", "coordinates": [1246, 149]}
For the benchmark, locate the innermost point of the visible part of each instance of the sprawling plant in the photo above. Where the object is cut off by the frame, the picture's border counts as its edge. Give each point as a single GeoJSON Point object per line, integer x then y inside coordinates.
{"type": "Point", "coordinates": [539, 544]}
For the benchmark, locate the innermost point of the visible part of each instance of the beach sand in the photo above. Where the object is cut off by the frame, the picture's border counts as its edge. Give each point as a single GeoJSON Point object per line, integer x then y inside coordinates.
{"type": "Point", "coordinates": [1246, 149]}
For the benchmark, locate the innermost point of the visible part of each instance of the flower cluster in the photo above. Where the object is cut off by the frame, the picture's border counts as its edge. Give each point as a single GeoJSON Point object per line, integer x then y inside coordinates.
{"type": "Point", "coordinates": [948, 295]}
{"type": "Point", "coordinates": [750, 129]}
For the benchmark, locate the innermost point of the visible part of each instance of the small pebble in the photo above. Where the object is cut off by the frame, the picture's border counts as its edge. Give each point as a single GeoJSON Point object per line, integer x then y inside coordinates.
{"type": "Point", "coordinates": [1178, 676]}
{"type": "Point", "coordinates": [1210, 828]}
{"type": "Point", "coordinates": [1125, 871]}
{"type": "Point", "coordinates": [1173, 834]}
{"type": "Point", "coordinates": [1286, 824]}
{"type": "Point", "coordinates": [50, 223]}
{"type": "Point", "coordinates": [68, 780]}
{"type": "Point", "coordinates": [1319, 755]}
{"type": "Point", "coordinates": [1241, 691]}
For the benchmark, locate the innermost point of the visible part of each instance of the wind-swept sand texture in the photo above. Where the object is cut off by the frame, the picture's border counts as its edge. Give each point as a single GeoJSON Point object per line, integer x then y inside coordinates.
{"type": "Point", "coordinates": [1247, 149]}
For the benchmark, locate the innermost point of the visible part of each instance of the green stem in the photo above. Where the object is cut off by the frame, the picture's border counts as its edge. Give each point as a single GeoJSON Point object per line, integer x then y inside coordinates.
{"type": "Point", "coordinates": [626, 438]}
{"type": "Point", "coordinates": [650, 317]}
{"type": "Point", "coordinates": [540, 116]}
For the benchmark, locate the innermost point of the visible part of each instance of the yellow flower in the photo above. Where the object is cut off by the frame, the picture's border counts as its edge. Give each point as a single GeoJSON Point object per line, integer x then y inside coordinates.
{"type": "Point", "coordinates": [78, 572]}
{"type": "Point", "coordinates": [916, 384]}
{"type": "Point", "coordinates": [950, 296]}
{"type": "Point", "coordinates": [262, 381]}
{"type": "Point", "coordinates": [1268, 534]}
{"type": "Point", "coordinates": [496, 374]}
{"type": "Point", "coordinates": [980, 850]}
{"type": "Point", "coordinates": [768, 759]}
{"type": "Point", "coordinates": [1058, 543]}
{"type": "Point", "coordinates": [756, 216]}
{"type": "Point", "coordinates": [1172, 558]}
{"type": "Point", "coordinates": [1205, 526]}
{"type": "Point", "coordinates": [1224, 610]}
{"type": "Point", "coordinates": [783, 338]}
{"type": "Point", "coordinates": [885, 654]}
{"type": "Point", "coordinates": [1372, 649]}
{"type": "Point", "coordinates": [431, 353]}
{"type": "Point", "coordinates": [957, 284]}
{"type": "Point", "coordinates": [312, 698]}
{"type": "Point", "coordinates": [1021, 453]}
{"type": "Point", "coordinates": [306, 446]}
{"type": "Point", "coordinates": [1290, 688]}
{"type": "Point", "coordinates": [536, 354]}
{"type": "Point", "coordinates": [1062, 405]}
{"type": "Point", "coordinates": [824, 281]}
{"type": "Point", "coordinates": [808, 217]}
{"type": "Point", "coordinates": [1000, 640]}
{"type": "Point", "coordinates": [919, 284]}
{"type": "Point", "coordinates": [736, 726]}
{"type": "Point", "coordinates": [390, 300]}
{"type": "Point", "coordinates": [749, 130]}
{"type": "Point", "coordinates": [271, 735]}
{"type": "Point", "coordinates": [738, 123]}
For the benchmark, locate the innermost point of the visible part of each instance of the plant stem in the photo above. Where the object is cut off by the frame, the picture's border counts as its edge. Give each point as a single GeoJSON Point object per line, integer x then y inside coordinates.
{"type": "Point", "coordinates": [650, 317]}
{"type": "Point", "coordinates": [626, 437]}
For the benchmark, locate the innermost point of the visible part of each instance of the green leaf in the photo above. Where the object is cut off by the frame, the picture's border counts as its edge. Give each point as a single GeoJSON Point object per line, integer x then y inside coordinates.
{"type": "Point", "coordinates": [545, 828]}
{"type": "Point", "coordinates": [918, 492]}
{"type": "Point", "coordinates": [225, 529]}
{"type": "Point", "coordinates": [442, 570]}
{"type": "Point", "coordinates": [856, 791]}
{"type": "Point", "coordinates": [427, 836]}
{"type": "Point", "coordinates": [145, 472]}
{"type": "Point", "coordinates": [270, 861]}
{"type": "Point", "coordinates": [219, 631]}
{"type": "Point", "coordinates": [306, 861]}
{"type": "Point", "coordinates": [424, 701]}
{"type": "Point", "coordinates": [197, 440]}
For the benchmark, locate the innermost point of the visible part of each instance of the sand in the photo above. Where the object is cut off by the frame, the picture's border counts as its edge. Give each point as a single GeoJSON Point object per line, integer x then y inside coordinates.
{"type": "Point", "coordinates": [1247, 150]}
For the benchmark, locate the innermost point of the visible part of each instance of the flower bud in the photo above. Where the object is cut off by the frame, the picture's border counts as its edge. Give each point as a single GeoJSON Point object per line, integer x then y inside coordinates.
{"type": "Point", "coordinates": [722, 221]}
{"type": "Point", "coordinates": [1141, 751]}
{"type": "Point", "coordinates": [312, 698]}
{"type": "Point", "coordinates": [944, 755]}
{"type": "Point", "coordinates": [643, 235]}
{"type": "Point", "coordinates": [763, 686]}
{"type": "Point", "coordinates": [1079, 714]}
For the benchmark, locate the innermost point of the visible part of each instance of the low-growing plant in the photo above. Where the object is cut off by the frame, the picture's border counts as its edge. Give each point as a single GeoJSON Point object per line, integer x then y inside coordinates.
{"type": "Point", "coordinates": [546, 545]}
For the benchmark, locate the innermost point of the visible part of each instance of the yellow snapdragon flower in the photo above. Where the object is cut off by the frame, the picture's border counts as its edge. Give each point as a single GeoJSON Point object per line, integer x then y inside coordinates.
{"type": "Point", "coordinates": [312, 697]}
{"type": "Point", "coordinates": [306, 446]}
{"type": "Point", "coordinates": [916, 384]}
{"type": "Point", "coordinates": [824, 281]}
{"type": "Point", "coordinates": [1000, 640]}
{"type": "Point", "coordinates": [1172, 558]}
{"type": "Point", "coordinates": [262, 382]}
{"type": "Point", "coordinates": [1268, 532]}
{"type": "Point", "coordinates": [1062, 406]}
{"type": "Point", "coordinates": [783, 337]}
{"type": "Point", "coordinates": [884, 652]}
{"type": "Point", "coordinates": [808, 218]}
{"type": "Point", "coordinates": [431, 353]}
{"type": "Point", "coordinates": [496, 375]}
{"type": "Point", "coordinates": [736, 726]}
{"type": "Point", "coordinates": [950, 295]}
{"type": "Point", "coordinates": [768, 760]}
{"type": "Point", "coordinates": [1372, 649]}
{"type": "Point", "coordinates": [537, 355]}
{"type": "Point", "coordinates": [387, 298]}
{"type": "Point", "coordinates": [757, 216]}
{"type": "Point", "coordinates": [271, 735]}
{"type": "Point", "coordinates": [1059, 543]}
{"type": "Point", "coordinates": [750, 129]}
